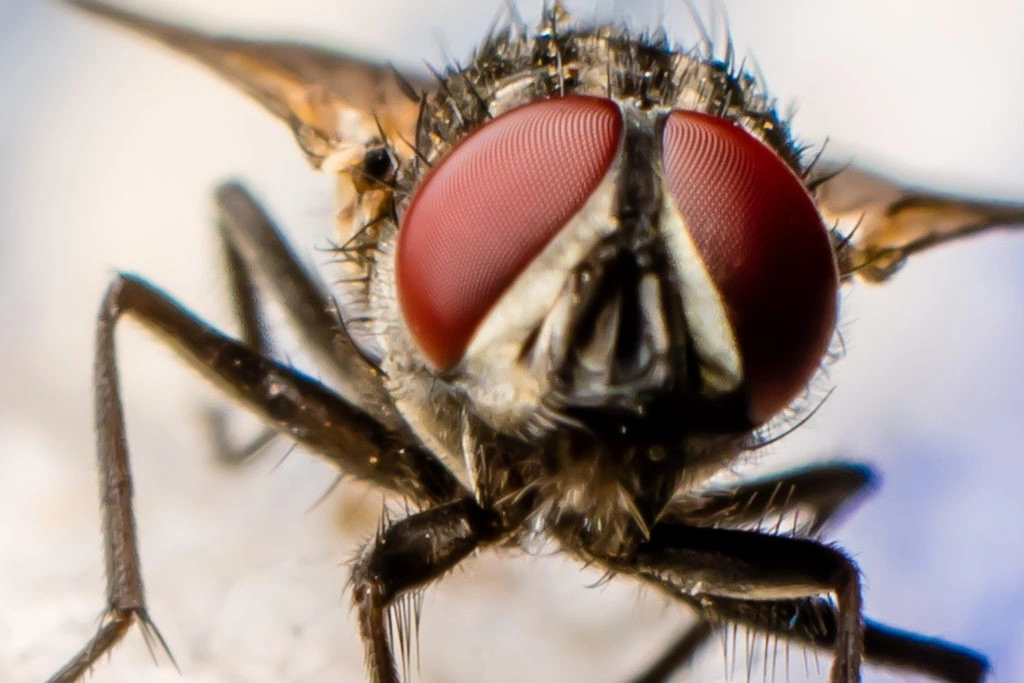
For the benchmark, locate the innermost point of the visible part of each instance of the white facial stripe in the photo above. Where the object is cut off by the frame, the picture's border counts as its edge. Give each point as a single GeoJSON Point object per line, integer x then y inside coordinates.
{"type": "Point", "coordinates": [491, 360]}
{"type": "Point", "coordinates": [706, 317]}
{"type": "Point", "coordinates": [509, 391]}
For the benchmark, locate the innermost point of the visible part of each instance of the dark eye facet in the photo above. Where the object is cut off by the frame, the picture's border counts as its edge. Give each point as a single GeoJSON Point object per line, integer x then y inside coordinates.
{"type": "Point", "coordinates": [490, 207]}
{"type": "Point", "coordinates": [764, 246]}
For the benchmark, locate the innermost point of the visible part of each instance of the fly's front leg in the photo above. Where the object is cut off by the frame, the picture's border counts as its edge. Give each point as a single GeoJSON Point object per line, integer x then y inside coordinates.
{"type": "Point", "coordinates": [244, 292]}
{"type": "Point", "coordinates": [293, 403]}
{"type": "Point", "coordinates": [821, 489]}
{"type": "Point", "coordinates": [256, 251]}
{"type": "Point", "coordinates": [931, 657]}
{"type": "Point", "coordinates": [748, 565]}
{"type": "Point", "coordinates": [824, 491]}
{"type": "Point", "coordinates": [405, 556]}
{"type": "Point", "coordinates": [813, 621]}
{"type": "Point", "coordinates": [814, 495]}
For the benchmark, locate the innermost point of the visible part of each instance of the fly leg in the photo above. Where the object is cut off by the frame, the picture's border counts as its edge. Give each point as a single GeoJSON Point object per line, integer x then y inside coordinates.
{"type": "Point", "coordinates": [816, 494]}
{"type": "Point", "coordinates": [256, 251]}
{"type": "Point", "coordinates": [813, 621]}
{"type": "Point", "coordinates": [711, 563]}
{"type": "Point", "coordinates": [825, 492]}
{"type": "Point", "coordinates": [233, 226]}
{"type": "Point", "coordinates": [293, 403]}
{"type": "Point", "coordinates": [245, 301]}
{"type": "Point", "coordinates": [404, 557]}
{"type": "Point", "coordinates": [822, 490]}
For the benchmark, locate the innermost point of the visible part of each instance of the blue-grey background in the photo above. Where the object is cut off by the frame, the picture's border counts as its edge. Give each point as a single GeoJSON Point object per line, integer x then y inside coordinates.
{"type": "Point", "coordinates": [108, 148]}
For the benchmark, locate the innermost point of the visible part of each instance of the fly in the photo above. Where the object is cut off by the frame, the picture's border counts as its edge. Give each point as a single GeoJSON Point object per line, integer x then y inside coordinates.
{"type": "Point", "coordinates": [582, 273]}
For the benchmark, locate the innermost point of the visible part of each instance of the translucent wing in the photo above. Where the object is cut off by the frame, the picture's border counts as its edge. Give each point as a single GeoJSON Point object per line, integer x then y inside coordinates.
{"type": "Point", "coordinates": [895, 221]}
{"type": "Point", "coordinates": [334, 103]}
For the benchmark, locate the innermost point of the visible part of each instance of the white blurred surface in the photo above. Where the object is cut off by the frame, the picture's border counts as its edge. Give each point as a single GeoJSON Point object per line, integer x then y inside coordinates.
{"type": "Point", "coordinates": [108, 148]}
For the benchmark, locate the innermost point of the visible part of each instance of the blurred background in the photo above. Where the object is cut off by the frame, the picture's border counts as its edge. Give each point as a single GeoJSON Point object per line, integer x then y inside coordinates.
{"type": "Point", "coordinates": [108, 149]}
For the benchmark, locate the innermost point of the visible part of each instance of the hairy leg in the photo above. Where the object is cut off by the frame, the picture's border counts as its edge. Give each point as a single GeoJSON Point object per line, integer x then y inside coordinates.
{"type": "Point", "coordinates": [291, 402]}
{"type": "Point", "coordinates": [256, 252]}
{"type": "Point", "coordinates": [824, 492]}
{"type": "Point", "coordinates": [405, 556]}
{"type": "Point", "coordinates": [820, 489]}
{"type": "Point", "coordinates": [812, 621]}
{"type": "Point", "coordinates": [700, 563]}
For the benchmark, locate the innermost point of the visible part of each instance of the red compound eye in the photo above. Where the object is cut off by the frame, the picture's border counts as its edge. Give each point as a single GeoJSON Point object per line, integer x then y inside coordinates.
{"type": "Point", "coordinates": [490, 207]}
{"type": "Point", "coordinates": [764, 246]}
